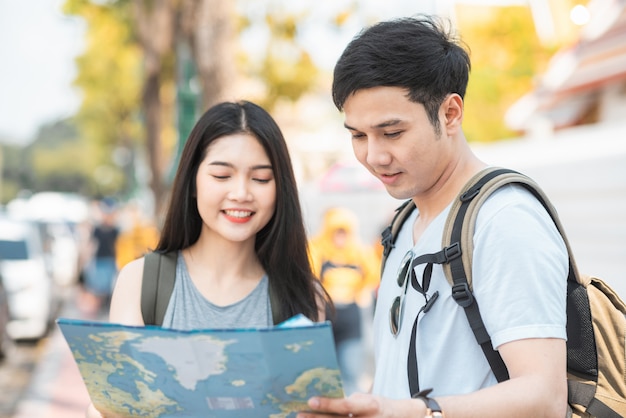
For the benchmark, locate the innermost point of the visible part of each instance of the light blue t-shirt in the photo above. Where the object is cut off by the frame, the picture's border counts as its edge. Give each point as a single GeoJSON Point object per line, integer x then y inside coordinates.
{"type": "Point", "coordinates": [520, 267]}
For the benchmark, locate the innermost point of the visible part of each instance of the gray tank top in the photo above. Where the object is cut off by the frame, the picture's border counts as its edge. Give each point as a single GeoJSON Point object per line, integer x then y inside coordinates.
{"type": "Point", "coordinates": [189, 309]}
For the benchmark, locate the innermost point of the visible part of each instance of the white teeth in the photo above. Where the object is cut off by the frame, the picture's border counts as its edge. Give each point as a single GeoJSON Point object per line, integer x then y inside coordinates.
{"type": "Point", "coordinates": [238, 213]}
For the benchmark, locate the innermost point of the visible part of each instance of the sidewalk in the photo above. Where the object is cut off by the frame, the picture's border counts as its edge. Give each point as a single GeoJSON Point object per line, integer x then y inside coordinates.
{"type": "Point", "coordinates": [56, 389]}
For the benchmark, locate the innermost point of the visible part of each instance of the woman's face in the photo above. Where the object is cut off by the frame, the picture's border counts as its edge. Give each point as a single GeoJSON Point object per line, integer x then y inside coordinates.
{"type": "Point", "coordinates": [235, 188]}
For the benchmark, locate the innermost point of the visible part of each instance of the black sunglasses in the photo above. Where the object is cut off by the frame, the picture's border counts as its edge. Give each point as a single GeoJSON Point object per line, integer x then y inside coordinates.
{"type": "Point", "coordinates": [406, 270]}
{"type": "Point", "coordinates": [397, 307]}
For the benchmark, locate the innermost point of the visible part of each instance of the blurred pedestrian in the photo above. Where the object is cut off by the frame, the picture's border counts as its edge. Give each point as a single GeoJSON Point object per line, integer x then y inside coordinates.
{"type": "Point", "coordinates": [349, 270]}
{"type": "Point", "coordinates": [138, 235]}
{"type": "Point", "coordinates": [101, 269]}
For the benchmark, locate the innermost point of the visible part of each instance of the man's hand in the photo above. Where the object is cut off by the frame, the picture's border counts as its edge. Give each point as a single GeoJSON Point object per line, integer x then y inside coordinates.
{"type": "Point", "coordinates": [364, 405]}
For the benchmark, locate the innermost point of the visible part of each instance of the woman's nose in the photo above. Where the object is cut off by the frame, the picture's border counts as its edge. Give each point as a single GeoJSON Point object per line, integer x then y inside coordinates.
{"type": "Point", "coordinates": [240, 190]}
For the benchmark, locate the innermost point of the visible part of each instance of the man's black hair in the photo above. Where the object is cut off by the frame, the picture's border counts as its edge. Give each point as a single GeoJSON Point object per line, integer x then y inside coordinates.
{"type": "Point", "coordinates": [418, 54]}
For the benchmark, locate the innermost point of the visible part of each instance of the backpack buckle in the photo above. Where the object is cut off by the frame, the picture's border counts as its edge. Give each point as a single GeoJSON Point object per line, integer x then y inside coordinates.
{"type": "Point", "coordinates": [462, 294]}
{"type": "Point", "coordinates": [387, 241]}
{"type": "Point", "coordinates": [452, 251]}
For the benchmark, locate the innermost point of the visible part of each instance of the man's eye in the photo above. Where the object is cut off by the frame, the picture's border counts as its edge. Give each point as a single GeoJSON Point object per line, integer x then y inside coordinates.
{"type": "Point", "coordinates": [357, 136]}
{"type": "Point", "coordinates": [393, 134]}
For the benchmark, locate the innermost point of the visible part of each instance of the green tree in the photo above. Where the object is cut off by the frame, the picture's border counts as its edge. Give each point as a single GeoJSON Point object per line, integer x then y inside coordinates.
{"type": "Point", "coordinates": [60, 161]}
{"type": "Point", "coordinates": [109, 78]}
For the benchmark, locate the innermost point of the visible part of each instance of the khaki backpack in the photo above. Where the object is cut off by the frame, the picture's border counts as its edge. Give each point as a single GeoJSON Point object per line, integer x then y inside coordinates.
{"type": "Point", "coordinates": [596, 316]}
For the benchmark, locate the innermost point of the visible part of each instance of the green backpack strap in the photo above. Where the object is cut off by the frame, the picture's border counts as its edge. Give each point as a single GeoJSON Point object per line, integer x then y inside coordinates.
{"type": "Point", "coordinates": [277, 317]}
{"type": "Point", "coordinates": [159, 274]}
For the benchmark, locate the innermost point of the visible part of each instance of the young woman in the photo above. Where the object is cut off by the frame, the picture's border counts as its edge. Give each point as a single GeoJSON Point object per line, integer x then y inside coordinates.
{"type": "Point", "coordinates": [235, 221]}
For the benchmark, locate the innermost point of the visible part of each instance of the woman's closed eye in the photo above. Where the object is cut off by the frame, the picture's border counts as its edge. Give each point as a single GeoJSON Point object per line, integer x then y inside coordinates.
{"type": "Point", "coordinates": [262, 180]}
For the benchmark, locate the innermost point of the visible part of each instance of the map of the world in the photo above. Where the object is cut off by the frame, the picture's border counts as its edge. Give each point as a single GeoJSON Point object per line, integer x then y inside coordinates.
{"type": "Point", "coordinates": [157, 373]}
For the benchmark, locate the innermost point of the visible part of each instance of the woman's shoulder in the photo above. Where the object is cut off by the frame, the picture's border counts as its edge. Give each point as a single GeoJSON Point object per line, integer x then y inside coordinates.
{"type": "Point", "coordinates": [126, 300]}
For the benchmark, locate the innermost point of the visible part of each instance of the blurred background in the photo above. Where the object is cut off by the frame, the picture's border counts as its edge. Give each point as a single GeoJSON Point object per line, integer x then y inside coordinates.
{"type": "Point", "coordinates": [98, 96]}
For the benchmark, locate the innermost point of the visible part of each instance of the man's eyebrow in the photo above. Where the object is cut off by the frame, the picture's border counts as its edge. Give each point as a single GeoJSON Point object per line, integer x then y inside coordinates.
{"type": "Point", "coordinates": [385, 124]}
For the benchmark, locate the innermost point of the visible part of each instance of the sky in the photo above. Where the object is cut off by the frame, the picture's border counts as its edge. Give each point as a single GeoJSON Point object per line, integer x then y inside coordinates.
{"type": "Point", "coordinates": [38, 45]}
{"type": "Point", "coordinates": [37, 49]}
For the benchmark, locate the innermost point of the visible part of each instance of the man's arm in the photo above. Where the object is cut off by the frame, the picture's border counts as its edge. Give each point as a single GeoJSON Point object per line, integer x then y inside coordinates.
{"type": "Point", "coordinates": [537, 388]}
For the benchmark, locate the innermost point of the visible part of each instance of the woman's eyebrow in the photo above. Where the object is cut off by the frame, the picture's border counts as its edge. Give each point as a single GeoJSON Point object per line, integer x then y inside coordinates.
{"type": "Point", "coordinates": [221, 163]}
{"type": "Point", "coordinates": [230, 165]}
{"type": "Point", "coordinates": [262, 167]}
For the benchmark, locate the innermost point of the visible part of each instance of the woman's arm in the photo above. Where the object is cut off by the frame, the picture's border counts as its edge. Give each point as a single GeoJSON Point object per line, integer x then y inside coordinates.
{"type": "Point", "coordinates": [125, 305]}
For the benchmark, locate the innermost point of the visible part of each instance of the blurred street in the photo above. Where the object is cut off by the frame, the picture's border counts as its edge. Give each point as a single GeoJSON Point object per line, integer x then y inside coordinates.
{"type": "Point", "coordinates": [55, 387]}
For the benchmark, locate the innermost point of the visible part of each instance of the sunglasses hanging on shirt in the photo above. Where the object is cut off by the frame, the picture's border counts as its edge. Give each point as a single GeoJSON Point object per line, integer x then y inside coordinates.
{"type": "Point", "coordinates": [406, 274]}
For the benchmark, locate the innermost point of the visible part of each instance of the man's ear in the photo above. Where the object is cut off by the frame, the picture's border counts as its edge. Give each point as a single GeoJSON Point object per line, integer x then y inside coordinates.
{"type": "Point", "coordinates": [452, 108]}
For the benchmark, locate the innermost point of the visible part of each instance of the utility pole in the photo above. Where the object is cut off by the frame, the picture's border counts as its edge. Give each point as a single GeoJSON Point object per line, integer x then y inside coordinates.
{"type": "Point", "coordinates": [187, 97]}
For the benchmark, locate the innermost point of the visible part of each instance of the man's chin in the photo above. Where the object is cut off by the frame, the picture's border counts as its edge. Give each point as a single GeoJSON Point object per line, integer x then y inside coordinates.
{"type": "Point", "coordinates": [397, 193]}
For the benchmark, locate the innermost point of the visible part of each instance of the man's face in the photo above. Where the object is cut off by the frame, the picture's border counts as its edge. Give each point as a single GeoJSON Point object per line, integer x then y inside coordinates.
{"type": "Point", "coordinates": [394, 139]}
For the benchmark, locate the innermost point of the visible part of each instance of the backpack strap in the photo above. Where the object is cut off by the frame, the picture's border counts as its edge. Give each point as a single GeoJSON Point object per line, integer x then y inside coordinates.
{"type": "Point", "coordinates": [390, 234]}
{"type": "Point", "coordinates": [458, 234]}
{"type": "Point", "coordinates": [277, 317]}
{"type": "Point", "coordinates": [461, 221]}
{"type": "Point", "coordinates": [159, 274]}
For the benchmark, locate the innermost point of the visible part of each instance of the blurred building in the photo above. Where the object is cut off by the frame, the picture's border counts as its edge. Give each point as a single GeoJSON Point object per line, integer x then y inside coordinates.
{"type": "Point", "coordinates": [585, 82]}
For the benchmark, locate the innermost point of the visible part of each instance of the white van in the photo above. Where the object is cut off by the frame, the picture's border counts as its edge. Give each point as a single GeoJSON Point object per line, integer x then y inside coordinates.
{"type": "Point", "coordinates": [26, 280]}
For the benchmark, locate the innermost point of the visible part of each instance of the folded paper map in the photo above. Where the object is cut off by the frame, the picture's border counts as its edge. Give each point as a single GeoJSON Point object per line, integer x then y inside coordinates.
{"type": "Point", "coordinates": [156, 372]}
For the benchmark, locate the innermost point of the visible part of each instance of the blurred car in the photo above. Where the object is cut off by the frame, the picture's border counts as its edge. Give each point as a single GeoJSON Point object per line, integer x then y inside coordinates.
{"type": "Point", "coordinates": [57, 215]}
{"type": "Point", "coordinates": [5, 340]}
{"type": "Point", "coordinates": [348, 177]}
{"type": "Point", "coordinates": [26, 280]}
{"type": "Point", "coordinates": [61, 251]}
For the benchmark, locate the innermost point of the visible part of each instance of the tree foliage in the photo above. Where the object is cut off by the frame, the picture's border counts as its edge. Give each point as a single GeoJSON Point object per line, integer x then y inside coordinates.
{"type": "Point", "coordinates": [285, 68]}
{"type": "Point", "coordinates": [506, 54]}
{"type": "Point", "coordinates": [109, 78]}
{"type": "Point", "coordinates": [56, 160]}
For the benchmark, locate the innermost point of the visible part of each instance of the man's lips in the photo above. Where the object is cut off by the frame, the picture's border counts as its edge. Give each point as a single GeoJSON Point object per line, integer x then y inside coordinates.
{"type": "Point", "coordinates": [388, 178]}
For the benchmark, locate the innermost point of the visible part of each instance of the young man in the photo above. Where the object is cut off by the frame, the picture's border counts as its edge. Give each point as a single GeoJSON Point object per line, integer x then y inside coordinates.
{"type": "Point", "coordinates": [401, 85]}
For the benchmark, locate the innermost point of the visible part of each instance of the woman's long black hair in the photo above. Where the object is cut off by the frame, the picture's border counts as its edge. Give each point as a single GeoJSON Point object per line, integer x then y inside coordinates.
{"type": "Point", "coordinates": [281, 245]}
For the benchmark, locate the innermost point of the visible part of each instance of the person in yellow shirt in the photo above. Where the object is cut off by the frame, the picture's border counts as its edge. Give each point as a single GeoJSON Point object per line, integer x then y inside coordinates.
{"type": "Point", "coordinates": [349, 271]}
{"type": "Point", "coordinates": [139, 237]}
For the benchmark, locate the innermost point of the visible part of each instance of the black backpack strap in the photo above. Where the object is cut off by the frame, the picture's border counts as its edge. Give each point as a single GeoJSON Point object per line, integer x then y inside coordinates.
{"type": "Point", "coordinates": [390, 234]}
{"type": "Point", "coordinates": [159, 274]}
